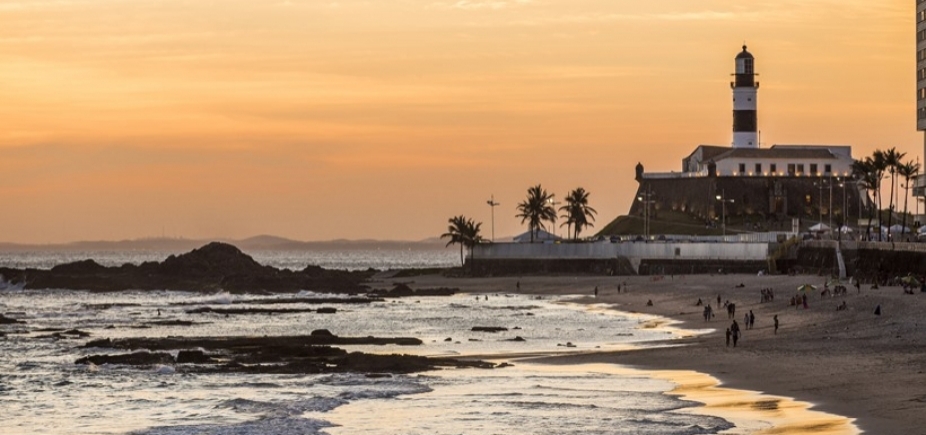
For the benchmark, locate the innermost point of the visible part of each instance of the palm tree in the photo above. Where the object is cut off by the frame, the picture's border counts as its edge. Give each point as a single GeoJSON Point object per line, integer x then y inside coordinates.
{"type": "Point", "coordinates": [463, 231]}
{"type": "Point", "coordinates": [577, 211]}
{"type": "Point", "coordinates": [908, 171]}
{"type": "Point", "coordinates": [893, 161]}
{"type": "Point", "coordinates": [536, 209]}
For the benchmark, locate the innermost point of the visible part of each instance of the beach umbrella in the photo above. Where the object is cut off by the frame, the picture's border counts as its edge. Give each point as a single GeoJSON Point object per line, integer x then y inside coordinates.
{"type": "Point", "coordinates": [910, 280]}
{"type": "Point", "coordinates": [896, 228]}
{"type": "Point", "coordinates": [806, 288]}
{"type": "Point", "coordinates": [921, 229]}
{"type": "Point", "coordinates": [845, 230]}
{"type": "Point", "coordinates": [820, 228]}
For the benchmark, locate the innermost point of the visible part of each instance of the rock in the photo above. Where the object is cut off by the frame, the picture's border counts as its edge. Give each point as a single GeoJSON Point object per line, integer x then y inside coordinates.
{"type": "Point", "coordinates": [134, 359]}
{"type": "Point", "coordinates": [8, 320]}
{"type": "Point", "coordinates": [213, 267]}
{"type": "Point", "coordinates": [279, 355]}
{"type": "Point", "coordinates": [518, 338]}
{"type": "Point", "coordinates": [321, 333]}
{"type": "Point", "coordinates": [488, 329]}
{"type": "Point", "coordinates": [193, 357]}
{"type": "Point", "coordinates": [448, 339]}
{"type": "Point", "coordinates": [327, 310]}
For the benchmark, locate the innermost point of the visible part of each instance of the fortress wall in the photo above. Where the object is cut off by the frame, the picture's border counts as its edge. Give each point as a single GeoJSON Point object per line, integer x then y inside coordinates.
{"type": "Point", "coordinates": [756, 199]}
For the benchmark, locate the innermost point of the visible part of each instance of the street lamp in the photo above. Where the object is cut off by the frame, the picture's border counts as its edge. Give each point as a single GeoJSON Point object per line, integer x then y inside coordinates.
{"type": "Point", "coordinates": [493, 204]}
{"type": "Point", "coordinates": [723, 206]}
{"type": "Point", "coordinates": [646, 198]}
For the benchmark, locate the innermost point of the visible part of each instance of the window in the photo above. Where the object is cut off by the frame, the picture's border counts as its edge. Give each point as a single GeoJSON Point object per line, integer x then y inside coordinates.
{"type": "Point", "coordinates": [791, 169]}
{"type": "Point", "coordinates": [758, 168]}
{"type": "Point", "coordinates": [742, 168]}
{"type": "Point", "coordinates": [828, 168]}
{"type": "Point", "coordinates": [773, 168]}
{"type": "Point", "coordinates": [800, 169]}
{"type": "Point", "coordinates": [813, 168]}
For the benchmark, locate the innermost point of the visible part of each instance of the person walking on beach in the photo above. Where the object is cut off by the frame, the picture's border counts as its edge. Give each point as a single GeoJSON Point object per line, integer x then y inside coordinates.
{"type": "Point", "coordinates": [728, 337]}
{"type": "Point", "coordinates": [518, 286]}
{"type": "Point", "coordinates": [752, 320]}
{"type": "Point", "coordinates": [804, 300]}
{"type": "Point", "coordinates": [596, 291]}
{"type": "Point", "coordinates": [776, 324]}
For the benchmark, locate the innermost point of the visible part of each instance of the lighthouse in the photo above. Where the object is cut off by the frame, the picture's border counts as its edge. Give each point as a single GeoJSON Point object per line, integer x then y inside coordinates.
{"type": "Point", "coordinates": [745, 89]}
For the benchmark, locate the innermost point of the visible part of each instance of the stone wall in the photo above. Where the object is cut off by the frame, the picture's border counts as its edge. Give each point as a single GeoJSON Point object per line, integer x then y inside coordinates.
{"type": "Point", "coordinates": [514, 267]}
{"type": "Point", "coordinates": [770, 201]}
{"type": "Point", "coordinates": [701, 267]}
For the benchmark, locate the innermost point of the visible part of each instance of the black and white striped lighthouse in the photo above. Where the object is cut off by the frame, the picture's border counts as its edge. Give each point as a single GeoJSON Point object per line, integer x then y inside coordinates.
{"type": "Point", "coordinates": [745, 88]}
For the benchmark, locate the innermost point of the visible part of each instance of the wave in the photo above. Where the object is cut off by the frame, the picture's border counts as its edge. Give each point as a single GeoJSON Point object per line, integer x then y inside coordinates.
{"type": "Point", "coordinates": [284, 408]}
{"type": "Point", "coordinates": [277, 426]}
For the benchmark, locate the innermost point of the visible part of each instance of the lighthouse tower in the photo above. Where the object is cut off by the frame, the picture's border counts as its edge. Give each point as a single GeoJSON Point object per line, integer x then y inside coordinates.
{"type": "Point", "coordinates": [745, 88]}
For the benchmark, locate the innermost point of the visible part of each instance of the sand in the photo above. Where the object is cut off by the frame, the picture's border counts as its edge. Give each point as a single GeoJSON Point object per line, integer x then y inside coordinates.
{"type": "Point", "coordinates": [851, 363]}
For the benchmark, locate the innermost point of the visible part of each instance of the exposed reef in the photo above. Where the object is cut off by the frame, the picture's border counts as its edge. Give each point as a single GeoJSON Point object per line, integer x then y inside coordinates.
{"type": "Point", "coordinates": [291, 355]}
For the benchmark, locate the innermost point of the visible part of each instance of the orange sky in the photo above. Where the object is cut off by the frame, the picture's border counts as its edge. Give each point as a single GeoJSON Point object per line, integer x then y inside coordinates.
{"type": "Point", "coordinates": [381, 119]}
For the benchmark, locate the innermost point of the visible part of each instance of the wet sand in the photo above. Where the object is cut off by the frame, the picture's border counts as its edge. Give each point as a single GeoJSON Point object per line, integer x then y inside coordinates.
{"type": "Point", "coordinates": [851, 362]}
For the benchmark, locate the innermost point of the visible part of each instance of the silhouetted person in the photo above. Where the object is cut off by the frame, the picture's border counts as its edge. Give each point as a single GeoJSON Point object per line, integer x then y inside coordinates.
{"type": "Point", "coordinates": [728, 336]}
{"type": "Point", "coordinates": [735, 331]}
{"type": "Point", "coordinates": [776, 323]}
{"type": "Point", "coordinates": [596, 291]}
{"type": "Point", "coordinates": [878, 310]}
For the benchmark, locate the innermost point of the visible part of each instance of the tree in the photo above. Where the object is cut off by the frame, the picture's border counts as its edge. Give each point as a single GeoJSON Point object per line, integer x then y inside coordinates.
{"type": "Point", "coordinates": [908, 171]}
{"type": "Point", "coordinates": [464, 232]}
{"type": "Point", "coordinates": [578, 214]}
{"type": "Point", "coordinates": [536, 209]}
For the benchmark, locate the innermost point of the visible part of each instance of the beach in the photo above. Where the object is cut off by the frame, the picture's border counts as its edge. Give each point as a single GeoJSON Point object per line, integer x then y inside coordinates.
{"type": "Point", "coordinates": [848, 362]}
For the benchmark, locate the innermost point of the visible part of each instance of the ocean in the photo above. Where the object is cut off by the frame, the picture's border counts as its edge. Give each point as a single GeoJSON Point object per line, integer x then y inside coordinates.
{"type": "Point", "coordinates": [43, 391]}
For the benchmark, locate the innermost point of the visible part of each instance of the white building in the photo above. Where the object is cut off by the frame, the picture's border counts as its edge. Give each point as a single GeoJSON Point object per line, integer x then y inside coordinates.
{"type": "Point", "coordinates": [777, 161]}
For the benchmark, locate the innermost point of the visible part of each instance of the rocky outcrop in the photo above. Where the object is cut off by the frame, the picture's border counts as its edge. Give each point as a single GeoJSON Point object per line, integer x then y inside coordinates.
{"type": "Point", "coordinates": [133, 359]}
{"type": "Point", "coordinates": [287, 355]}
{"type": "Point", "coordinates": [489, 329]}
{"type": "Point", "coordinates": [214, 267]}
{"type": "Point", "coordinates": [8, 320]}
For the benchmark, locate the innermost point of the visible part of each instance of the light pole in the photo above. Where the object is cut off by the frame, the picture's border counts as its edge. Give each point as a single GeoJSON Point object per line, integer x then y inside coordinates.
{"type": "Point", "coordinates": [829, 210]}
{"type": "Point", "coordinates": [723, 207]}
{"type": "Point", "coordinates": [646, 198]}
{"type": "Point", "coordinates": [493, 204]}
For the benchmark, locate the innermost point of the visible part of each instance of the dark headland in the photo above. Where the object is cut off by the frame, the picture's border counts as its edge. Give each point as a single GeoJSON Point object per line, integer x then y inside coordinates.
{"type": "Point", "coordinates": [213, 267]}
